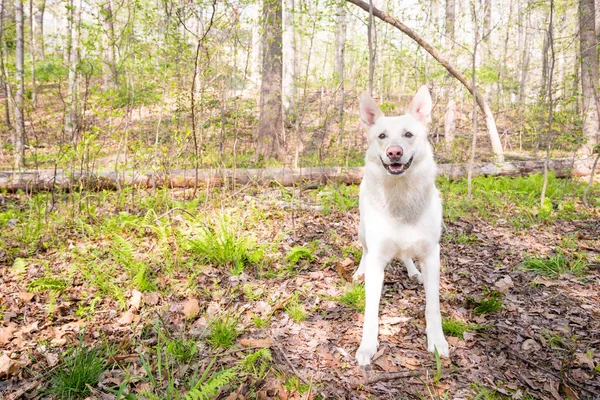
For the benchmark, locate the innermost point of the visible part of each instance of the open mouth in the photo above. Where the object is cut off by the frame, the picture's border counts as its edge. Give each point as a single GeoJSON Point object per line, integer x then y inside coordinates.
{"type": "Point", "coordinates": [396, 168]}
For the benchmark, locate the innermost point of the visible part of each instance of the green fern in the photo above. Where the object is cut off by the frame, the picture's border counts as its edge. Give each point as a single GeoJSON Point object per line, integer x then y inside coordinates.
{"type": "Point", "coordinates": [122, 250]}
{"type": "Point", "coordinates": [53, 284]}
{"type": "Point", "coordinates": [210, 389]}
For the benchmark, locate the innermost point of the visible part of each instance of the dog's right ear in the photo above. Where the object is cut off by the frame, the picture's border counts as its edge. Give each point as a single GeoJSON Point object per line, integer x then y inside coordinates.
{"type": "Point", "coordinates": [369, 110]}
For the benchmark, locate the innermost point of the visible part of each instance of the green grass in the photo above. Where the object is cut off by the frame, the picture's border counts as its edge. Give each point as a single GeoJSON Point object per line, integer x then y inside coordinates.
{"type": "Point", "coordinates": [81, 369]}
{"type": "Point", "coordinates": [457, 328]}
{"type": "Point", "coordinates": [223, 332]}
{"type": "Point", "coordinates": [296, 310]}
{"type": "Point", "coordinates": [224, 244]}
{"type": "Point", "coordinates": [555, 265]}
{"type": "Point", "coordinates": [514, 199]}
{"type": "Point", "coordinates": [298, 253]}
{"type": "Point", "coordinates": [354, 297]}
{"type": "Point", "coordinates": [339, 197]}
{"type": "Point", "coordinates": [490, 303]}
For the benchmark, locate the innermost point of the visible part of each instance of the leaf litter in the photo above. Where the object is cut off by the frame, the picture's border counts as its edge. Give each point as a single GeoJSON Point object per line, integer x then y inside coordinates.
{"type": "Point", "coordinates": [543, 342]}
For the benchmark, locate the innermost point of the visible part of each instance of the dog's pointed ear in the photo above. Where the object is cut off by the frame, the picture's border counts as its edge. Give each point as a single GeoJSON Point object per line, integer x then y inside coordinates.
{"type": "Point", "coordinates": [369, 110]}
{"type": "Point", "coordinates": [421, 105]}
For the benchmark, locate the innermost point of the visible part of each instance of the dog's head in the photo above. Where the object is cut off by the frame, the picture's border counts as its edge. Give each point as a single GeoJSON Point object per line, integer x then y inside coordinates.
{"type": "Point", "coordinates": [396, 143]}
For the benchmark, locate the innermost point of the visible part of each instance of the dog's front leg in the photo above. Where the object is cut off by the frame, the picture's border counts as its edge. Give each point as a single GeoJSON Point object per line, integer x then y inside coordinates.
{"type": "Point", "coordinates": [431, 280]}
{"type": "Point", "coordinates": [374, 274]}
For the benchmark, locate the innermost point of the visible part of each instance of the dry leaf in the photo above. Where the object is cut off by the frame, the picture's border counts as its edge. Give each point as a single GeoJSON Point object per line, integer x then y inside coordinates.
{"type": "Point", "coordinates": [7, 333]}
{"type": "Point", "coordinates": [135, 300]}
{"type": "Point", "coordinates": [584, 359]}
{"type": "Point", "coordinates": [26, 296]}
{"type": "Point", "coordinates": [191, 308]}
{"type": "Point", "coordinates": [127, 318]}
{"type": "Point", "coordinates": [8, 366]}
{"type": "Point", "coordinates": [531, 345]}
{"type": "Point", "coordinates": [504, 284]}
{"type": "Point", "coordinates": [256, 342]}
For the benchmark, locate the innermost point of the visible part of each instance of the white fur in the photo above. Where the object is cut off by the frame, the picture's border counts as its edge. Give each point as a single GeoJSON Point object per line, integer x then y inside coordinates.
{"type": "Point", "coordinates": [400, 216]}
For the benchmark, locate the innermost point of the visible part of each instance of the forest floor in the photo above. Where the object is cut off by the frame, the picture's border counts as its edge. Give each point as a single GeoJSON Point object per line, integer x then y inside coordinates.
{"type": "Point", "coordinates": [244, 293]}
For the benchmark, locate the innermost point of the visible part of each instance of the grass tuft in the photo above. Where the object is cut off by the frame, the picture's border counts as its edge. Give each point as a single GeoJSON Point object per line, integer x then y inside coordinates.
{"type": "Point", "coordinates": [491, 302]}
{"type": "Point", "coordinates": [457, 328]}
{"type": "Point", "coordinates": [354, 297]}
{"type": "Point", "coordinates": [555, 265]}
{"type": "Point", "coordinates": [223, 332]}
{"type": "Point", "coordinates": [82, 367]}
{"type": "Point", "coordinates": [224, 245]}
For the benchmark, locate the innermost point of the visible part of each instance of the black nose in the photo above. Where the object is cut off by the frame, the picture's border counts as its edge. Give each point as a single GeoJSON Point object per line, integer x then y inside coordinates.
{"type": "Point", "coordinates": [394, 152]}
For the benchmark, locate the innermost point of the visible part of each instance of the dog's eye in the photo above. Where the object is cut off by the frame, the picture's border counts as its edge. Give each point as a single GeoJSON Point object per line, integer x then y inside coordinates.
{"type": "Point", "coordinates": [408, 135]}
{"type": "Point", "coordinates": [382, 136]}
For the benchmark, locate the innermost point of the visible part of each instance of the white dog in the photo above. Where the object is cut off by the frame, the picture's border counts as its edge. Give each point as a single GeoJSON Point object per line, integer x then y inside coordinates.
{"type": "Point", "coordinates": [400, 214]}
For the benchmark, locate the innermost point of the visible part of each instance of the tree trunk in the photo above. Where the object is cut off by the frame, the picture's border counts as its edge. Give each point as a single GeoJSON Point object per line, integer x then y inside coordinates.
{"type": "Point", "coordinates": [525, 55]}
{"type": "Point", "coordinates": [589, 75]}
{"type": "Point", "coordinates": [19, 132]}
{"type": "Point", "coordinates": [489, 117]}
{"type": "Point", "coordinates": [270, 125]}
{"type": "Point", "coordinates": [449, 25]}
{"type": "Point", "coordinates": [39, 31]}
{"type": "Point", "coordinates": [340, 48]}
{"type": "Point", "coordinates": [71, 114]}
{"type": "Point", "coordinates": [111, 53]}
{"type": "Point", "coordinates": [450, 123]}
{"type": "Point", "coordinates": [3, 69]}
{"type": "Point", "coordinates": [32, 53]}
{"type": "Point", "coordinates": [289, 65]}
{"type": "Point", "coordinates": [50, 179]}
{"type": "Point", "coordinates": [372, 42]}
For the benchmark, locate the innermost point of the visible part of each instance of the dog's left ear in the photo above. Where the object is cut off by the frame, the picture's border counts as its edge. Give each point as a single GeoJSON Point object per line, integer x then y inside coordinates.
{"type": "Point", "coordinates": [421, 105]}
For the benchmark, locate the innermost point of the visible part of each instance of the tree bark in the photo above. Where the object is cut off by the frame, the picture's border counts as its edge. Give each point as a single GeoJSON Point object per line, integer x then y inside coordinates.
{"type": "Point", "coordinates": [589, 75]}
{"type": "Point", "coordinates": [72, 112]}
{"type": "Point", "coordinates": [50, 179]}
{"type": "Point", "coordinates": [450, 123]}
{"type": "Point", "coordinates": [270, 125]}
{"type": "Point", "coordinates": [489, 117]}
{"type": "Point", "coordinates": [111, 53]}
{"type": "Point", "coordinates": [39, 49]}
{"type": "Point", "coordinates": [19, 132]}
{"type": "Point", "coordinates": [372, 43]}
{"type": "Point", "coordinates": [340, 49]}
{"type": "Point", "coordinates": [3, 74]}
{"type": "Point", "coordinates": [32, 54]}
{"type": "Point", "coordinates": [525, 54]}
{"type": "Point", "coordinates": [450, 22]}
{"type": "Point", "coordinates": [289, 65]}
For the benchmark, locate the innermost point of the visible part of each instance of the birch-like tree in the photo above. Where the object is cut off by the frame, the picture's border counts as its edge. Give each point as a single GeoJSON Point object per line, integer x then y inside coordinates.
{"type": "Point", "coordinates": [19, 131]}
{"type": "Point", "coordinates": [589, 75]}
{"type": "Point", "coordinates": [270, 124]}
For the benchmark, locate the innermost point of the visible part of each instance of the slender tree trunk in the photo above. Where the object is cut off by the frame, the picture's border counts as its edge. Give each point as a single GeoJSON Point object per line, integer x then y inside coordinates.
{"type": "Point", "coordinates": [39, 49]}
{"type": "Point", "coordinates": [489, 117]}
{"type": "Point", "coordinates": [289, 65]}
{"type": "Point", "coordinates": [486, 51]}
{"type": "Point", "coordinates": [550, 36]}
{"type": "Point", "coordinates": [340, 50]}
{"type": "Point", "coordinates": [3, 74]}
{"type": "Point", "coordinates": [111, 53]}
{"type": "Point", "coordinates": [449, 25]}
{"type": "Point", "coordinates": [525, 46]}
{"type": "Point", "coordinates": [19, 132]}
{"type": "Point", "coordinates": [71, 115]}
{"type": "Point", "coordinates": [589, 75]}
{"type": "Point", "coordinates": [474, 83]}
{"type": "Point", "coordinates": [270, 125]}
{"type": "Point", "coordinates": [372, 47]}
{"type": "Point", "coordinates": [32, 53]}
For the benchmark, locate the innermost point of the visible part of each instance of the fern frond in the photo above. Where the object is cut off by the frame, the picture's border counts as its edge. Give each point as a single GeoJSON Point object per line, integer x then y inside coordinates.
{"type": "Point", "coordinates": [213, 386]}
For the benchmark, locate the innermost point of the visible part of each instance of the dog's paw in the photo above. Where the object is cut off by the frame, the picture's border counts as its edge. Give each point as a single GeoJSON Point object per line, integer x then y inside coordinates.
{"type": "Point", "coordinates": [440, 344]}
{"type": "Point", "coordinates": [365, 353]}
{"type": "Point", "coordinates": [416, 277]}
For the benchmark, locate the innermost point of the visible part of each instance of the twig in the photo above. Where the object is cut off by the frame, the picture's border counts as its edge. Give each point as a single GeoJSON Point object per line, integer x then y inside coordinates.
{"type": "Point", "coordinates": [294, 370]}
{"type": "Point", "coordinates": [587, 188]}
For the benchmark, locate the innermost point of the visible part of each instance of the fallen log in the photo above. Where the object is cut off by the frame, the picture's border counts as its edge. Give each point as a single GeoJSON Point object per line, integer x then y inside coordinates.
{"type": "Point", "coordinates": [12, 181]}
